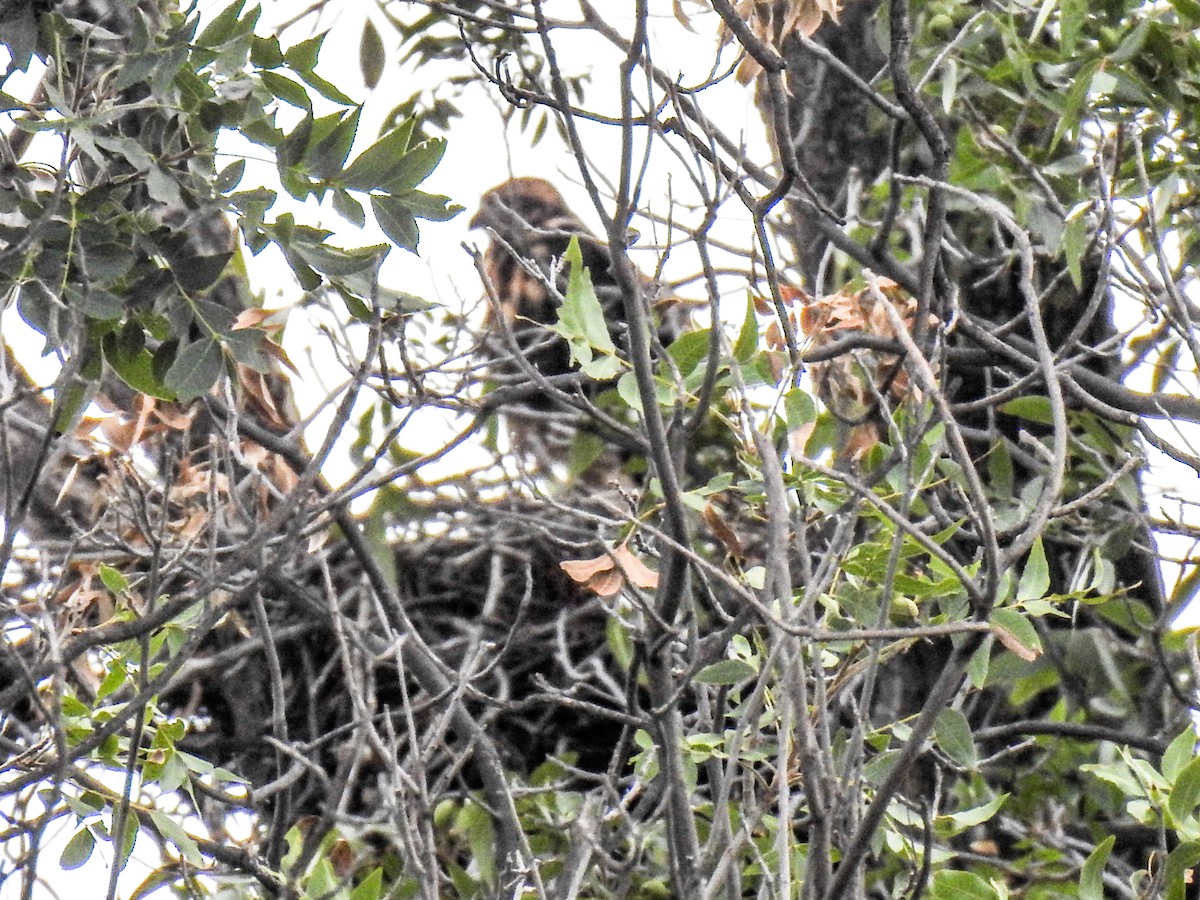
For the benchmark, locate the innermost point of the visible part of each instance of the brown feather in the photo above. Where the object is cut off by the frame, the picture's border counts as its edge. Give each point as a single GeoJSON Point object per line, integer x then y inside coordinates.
{"type": "Point", "coordinates": [531, 227]}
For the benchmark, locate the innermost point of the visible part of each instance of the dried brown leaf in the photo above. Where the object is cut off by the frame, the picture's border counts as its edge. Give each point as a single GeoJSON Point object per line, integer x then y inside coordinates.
{"type": "Point", "coordinates": [635, 570]}
{"type": "Point", "coordinates": [798, 438]}
{"type": "Point", "coordinates": [721, 530]}
{"type": "Point", "coordinates": [174, 416]}
{"type": "Point", "coordinates": [774, 336]}
{"type": "Point", "coordinates": [606, 574]}
{"type": "Point", "coordinates": [862, 439]}
{"type": "Point", "coordinates": [193, 525]}
{"type": "Point", "coordinates": [682, 17]}
{"type": "Point", "coordinates": [341, 857]}
{"type": "Point", "coordinates": [772, 22]}
{"type": "Point", "coordinates": [251, 318]}
{"type": "Point", "coordinates": [273, 349]}
{"type": "Point", "coordinates": [763, 305]}
{"type": "Point", "coordinates": [118, 432]}
{"type": "Point", "coordinates": [607, 583]}
{"type": "Point", "coordinates": [583, 570]}
{"type": "Point", "coordinates": [806, 17]}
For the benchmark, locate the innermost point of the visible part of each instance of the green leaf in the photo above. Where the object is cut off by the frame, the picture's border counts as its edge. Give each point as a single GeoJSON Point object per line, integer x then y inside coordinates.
{"type": "Point", "coordinates": [114, 679]}
{"type": "Point", "coordinates": [326, 89]}
{"type": "Point", "coordinates": [689, 349]}
{"type": "Point", "coordinates": [41, 309]}
{"type": "Point", "coordinates": [108, 261]}
{"type": "Point", "coordinates": [265, 52]}
{"type": "Point", "coordinates": [601, 368]}
{"type": "Point", "coordinates": [1119, 775]}
{"type": "Point", "coordinates": [476, 824]}
{"type": "Point", "coordinates": [222, 26]}
{"type": "Point", "coordinates": [1000, 469]}
{"type": "Point", "coordinates": [323, 881]}
{"type": "Point", "coordinates": [173, 831]}
{"type": "Point", "coordinates": [73, 707]}
{"type": "Point", "coordinates": [196, 764]}
{"type": "Point", "coordinates": [349, 208]}
{"type": "Point", "coordinates": [159, 878]}
{"type": "Point", "coordinates": [396, 221]}
{"type": "Point", "coordinates": [415, 166]}
{"type": "Point", "coordinates": [948, 885]}
{"type": "Point", "coordinates": [949, 84]}
{"type": "Point", "coordinates": [372, 56]}
{"type": "Point", "coordinates": [370, 888]}
{"type": "Point", "coordinates": [338, 262]}
{"type": "Point", "coordinates": [1181, 751]}
{"type": "Point", "coordinates": [1035, 577]}
{"type": "Point", "coordinates": [581, 317]}
{"type": "Point", "coordinates": [1164, 195]}
{"type": "Point", "coordinates": [586, 448]}
{"type": "Point", "coordinates": [627, 390]}
{"type": "Point", "coordinates": [333, 136]}
{"type": "Point", "coordinates": [977, 668]}
{"type": "Point", "coordinates": [196, 273]}
{"type": "Point", "coordinates": [86, 803]}
{"type": "Point", "coordinates": [747, 341]}
{"type": "Point", "coordinates": [727, 671]}
{"type": "Point", "coordinates": [286, 90]}
{"type": "Point", "coordinates": [953, 734]}
{"type": "Point", "coordinates": [1073, 104]}
{"type": "Point", "coordinates": [1016, 627]}
{"type": "Point", "coordinates": [1032, 409]}
{"type": "Point", "coordinates": [956, 823]}
{"type": "Point", "coordinates": [799, 408]}
{"type": "Point", "coordinates": [1185, 792]}
{"type": "Point", "coordinates": [21, 38]}
{"type": "Point", "coordinates": [195, 370]}
{"type": "Point", "coordinates": [1071, 20]}
{"type": "Point", "coordinates": [1180, 867]}
{"type": "Point", "coordinates": [1188, 9]}
{"type": "Point", "coordinates": [303, 56]}
{"type": "Point", "coordinates": [78, 850]}
{"type": "Point", "coordinates": [619, 642]}
{"type": "Point", "coordinates": [127, 839]}
{"type": "Point", "coordinates": [373, 166]}
{"type": "Point", "coordinates": [434, 207]}
{"type": "Point", "coordinates": [1039, 608]}
{"type": "Point", "coordinates": [70, 402]}
{"type": "Point", "coordinates": [231, 176]}
{"type": "Point", "coordinates": [114, 580]}
{"type": "Point", "coordinates": [1075, 242]}
{"type": "Point", "coordinates": [1091, 881]}
{"type": "Point", "coordinates": [1133, 42]}
{"type": "Point", "coordinates": [289, 153]}
{"type": "Point", "coordinates": [1042, 17]}
{"type": "Point", "coordinates": [248, 347]}
{"type": "Point", "coordinates": [173, 775]}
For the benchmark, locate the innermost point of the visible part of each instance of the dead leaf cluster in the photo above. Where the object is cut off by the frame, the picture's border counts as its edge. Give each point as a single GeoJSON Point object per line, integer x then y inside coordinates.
{"type": "Point", "coordinates": [771, 21]}
{"type": "Point", "coordinates": [858, 385]}
{"type": "Point", "coordinates": [607, 573]}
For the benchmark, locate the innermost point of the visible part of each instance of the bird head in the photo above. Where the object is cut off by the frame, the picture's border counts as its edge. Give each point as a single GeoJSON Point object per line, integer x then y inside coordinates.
{"type": "Point", "coordinates": [520, 203]}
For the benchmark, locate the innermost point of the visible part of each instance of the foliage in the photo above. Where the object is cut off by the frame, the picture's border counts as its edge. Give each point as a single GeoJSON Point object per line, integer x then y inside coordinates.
{"type": "Point", "coordinates": [108, 273]}
{"type": "Point", "coordinates": [853, 590]}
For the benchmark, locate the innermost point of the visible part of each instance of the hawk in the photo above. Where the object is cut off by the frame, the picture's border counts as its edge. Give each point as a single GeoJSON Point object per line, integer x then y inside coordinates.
{"type": "Point", "coordinates": [531, 227]}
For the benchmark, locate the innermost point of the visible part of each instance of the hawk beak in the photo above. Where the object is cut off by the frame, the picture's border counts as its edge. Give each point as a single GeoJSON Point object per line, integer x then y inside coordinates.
{"type": "Point", "coordinates": [480, 219]}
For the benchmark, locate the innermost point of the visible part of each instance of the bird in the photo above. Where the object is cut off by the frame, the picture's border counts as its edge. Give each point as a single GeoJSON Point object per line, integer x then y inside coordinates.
{"type": "Point", "coordinates": [531, 227]}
